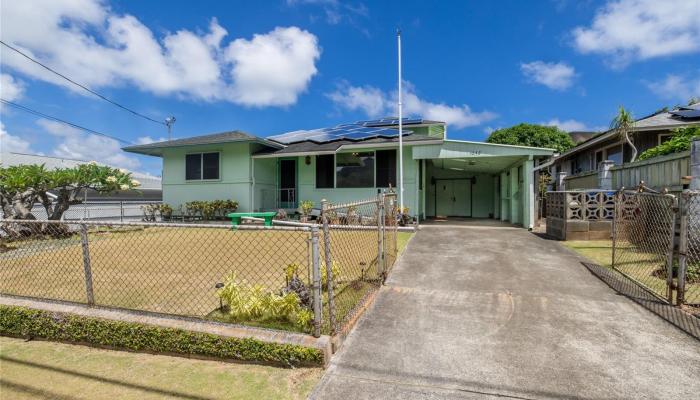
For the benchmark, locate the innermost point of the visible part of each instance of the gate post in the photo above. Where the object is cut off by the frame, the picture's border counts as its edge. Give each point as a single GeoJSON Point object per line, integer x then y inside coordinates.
{"type": "Point", "coordinates": [381, 267]}
{"type": "Point", "coordinates": [316, 274]}
{"type": "Point", "coordinates": [669, 257]}
{"type": "Point", "coordinates": [329, 263]}
{"type": "Point", "coordinates": [87, 268]}
{"type": "Point", "coordinates": [682, 250]}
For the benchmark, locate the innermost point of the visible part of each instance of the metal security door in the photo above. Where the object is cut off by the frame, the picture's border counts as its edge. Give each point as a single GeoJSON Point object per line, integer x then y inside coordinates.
{"type": "Point", "coordinates": [444, 198]}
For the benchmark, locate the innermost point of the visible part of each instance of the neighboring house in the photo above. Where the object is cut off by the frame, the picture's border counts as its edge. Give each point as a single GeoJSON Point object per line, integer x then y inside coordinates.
{"type": "Point", "coordinates": [353, 162]}
{"type": "Point", "coordinates": [579, 137]}
{"type": "Point", "coordinates": [650, 131]}
{"type": "Point", "coordinates": [150, 189]}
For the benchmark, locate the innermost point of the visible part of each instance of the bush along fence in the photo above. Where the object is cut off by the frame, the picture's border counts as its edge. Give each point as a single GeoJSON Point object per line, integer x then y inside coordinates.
{"type": "Point", "coordinates": [279, 277]}
{"type": "Point", "coordinates": [656, 243]}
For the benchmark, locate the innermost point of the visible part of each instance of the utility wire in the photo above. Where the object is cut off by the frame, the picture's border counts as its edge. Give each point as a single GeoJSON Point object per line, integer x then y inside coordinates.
{"type": "Point", "coordinates": [40, 114]}
{"type": "Point", "coordinates": [79, 85]}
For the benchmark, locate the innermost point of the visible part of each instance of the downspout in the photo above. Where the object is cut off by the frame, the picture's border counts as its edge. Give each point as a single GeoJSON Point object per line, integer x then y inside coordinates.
{"type": "Point", "coordinates": [252, 183]}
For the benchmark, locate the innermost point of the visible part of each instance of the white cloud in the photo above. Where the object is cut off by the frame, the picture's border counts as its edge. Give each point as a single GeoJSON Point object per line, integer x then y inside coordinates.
{"type": "Point", "coordinates": [148, 139]}
{"type": "Point", "coordinates": [629, 30]}
{"type": "Point", "coordinates": [557, 76]}
{"type": "Point", "coordinates": [273, 69]}
{"type": "Point", "coordinates": [375, 103]}
{"type": "Point", "coordinates": [676, 87]}
{"type": "Point", "coordinates": [101, 48]}
{"type": "Point", "coordinates": [368, 99]}
{"type": "Point", "coordinates": [73, 143]}
{"type": "Point", "coordinates": [12, 143]}
{"type": "Point", "coordinates": [571, 125]}
{"type": "Point", "coordinates": [11, 89]}
{"type": "Point", "coordinates": [336, 11]}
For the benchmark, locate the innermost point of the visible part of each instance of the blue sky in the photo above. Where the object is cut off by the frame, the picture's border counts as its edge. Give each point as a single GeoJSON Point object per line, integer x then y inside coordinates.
{"type": "Point", "coordinates": [275, 66]}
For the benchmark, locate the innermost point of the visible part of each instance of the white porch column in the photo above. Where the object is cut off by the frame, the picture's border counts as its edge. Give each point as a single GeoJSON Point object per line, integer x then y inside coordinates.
{"type": "Point", "coordinates": [605, 175]}
{"type": "Point", "coordinates": [529, 194]}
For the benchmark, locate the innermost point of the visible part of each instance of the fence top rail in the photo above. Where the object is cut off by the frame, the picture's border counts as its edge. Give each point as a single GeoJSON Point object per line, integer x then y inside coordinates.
{"type": "Point", "coordinates": [304, 228]}
{"type": "Point", "coordinates": [351, 204]}
{"type": "Point", "coordinates": [582, 191]}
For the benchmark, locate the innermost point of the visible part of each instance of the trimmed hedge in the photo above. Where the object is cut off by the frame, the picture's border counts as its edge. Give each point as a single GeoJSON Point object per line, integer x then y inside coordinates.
{"type": "Point", "coordinates": [25, 322]}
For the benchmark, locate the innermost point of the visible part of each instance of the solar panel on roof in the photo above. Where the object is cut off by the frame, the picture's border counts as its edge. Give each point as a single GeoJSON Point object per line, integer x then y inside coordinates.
{"type": "Point", "coordinates": [687, 113]}
{"type": "Point", "coordinates": [346, 131]}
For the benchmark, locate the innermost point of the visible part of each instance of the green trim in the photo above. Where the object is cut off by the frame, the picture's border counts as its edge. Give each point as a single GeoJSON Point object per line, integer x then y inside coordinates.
{"type": "Point", "coordinates": [25, 322]}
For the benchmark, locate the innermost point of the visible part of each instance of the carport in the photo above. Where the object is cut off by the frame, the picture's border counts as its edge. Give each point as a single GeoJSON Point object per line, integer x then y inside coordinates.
{"type": "Point", "coordinates": [479, 180]}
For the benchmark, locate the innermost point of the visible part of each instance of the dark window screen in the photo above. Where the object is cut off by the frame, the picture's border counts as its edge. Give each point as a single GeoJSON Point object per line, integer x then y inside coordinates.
{"type": "Point", "coordinates": [211, 165]}
{"type": "Point", "coordinates": [193, 166]}
{"type": "Point", "coordinates": [386, 168]}
{"type": "Point", "coordinates": [354, 170]}
{"type": "Point", "coordinates": [324, 171]}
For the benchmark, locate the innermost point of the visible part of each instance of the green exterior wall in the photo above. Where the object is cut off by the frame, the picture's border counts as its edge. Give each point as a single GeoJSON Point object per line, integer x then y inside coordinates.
{"type": "Point", "coordinates": [307, 183]}
{"type": "Point", "coordinates": [234, 173]}
{"type": "Point", "coordinates": [506, 191]}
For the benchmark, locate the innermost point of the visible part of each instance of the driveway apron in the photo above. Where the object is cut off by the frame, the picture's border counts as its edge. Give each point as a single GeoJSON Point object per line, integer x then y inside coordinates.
{"type": "Point", "coordinates": [480, 312]}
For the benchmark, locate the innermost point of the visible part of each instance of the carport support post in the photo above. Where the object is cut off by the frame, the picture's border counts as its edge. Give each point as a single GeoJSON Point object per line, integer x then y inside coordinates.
{"type": "Point", "coordinates": [529, 195]}
{"type": "Point", "coordinates": [329, 263]}
{"type": "Point", "coordinates": [316, 273]}
{"type": "Point", "coordinates": [86, 265]}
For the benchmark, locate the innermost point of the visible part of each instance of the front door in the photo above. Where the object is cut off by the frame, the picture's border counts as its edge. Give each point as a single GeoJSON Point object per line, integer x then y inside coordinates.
{"type": "Point", "coordinates": [453, 198]}
{"type": "Point", "coordinates": [288, 183]}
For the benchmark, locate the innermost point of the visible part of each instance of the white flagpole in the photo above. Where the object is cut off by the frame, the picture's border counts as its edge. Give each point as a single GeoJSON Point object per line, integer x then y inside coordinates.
{"type": "Point", "coordinates": [398, 36]}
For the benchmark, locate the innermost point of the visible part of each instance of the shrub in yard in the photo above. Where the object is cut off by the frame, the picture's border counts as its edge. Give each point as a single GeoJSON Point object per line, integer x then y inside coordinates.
{"type": "Point", "coordinates": [680, 141]}
{"type": "Point", "coordinates": [24, 322]}
{"type": "Point", "coordinates": [252, 302]}
{"type": "Point", "coordinates": [692, 273]}
{"type": "Point", "coordinates": [211, 209]}
{"type": "Point", "coordinates": [335, 271]}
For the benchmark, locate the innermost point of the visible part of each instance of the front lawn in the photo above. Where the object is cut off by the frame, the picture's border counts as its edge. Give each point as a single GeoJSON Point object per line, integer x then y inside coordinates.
{"type": "Point", "coordinates": [175, 270]}
{"type": "Point", "coordinates": [41, 370]}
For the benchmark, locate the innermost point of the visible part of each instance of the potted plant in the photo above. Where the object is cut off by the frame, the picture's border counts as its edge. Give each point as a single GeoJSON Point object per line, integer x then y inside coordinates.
{"type": "Point", "coordinates": [305, 207]}
{"type": "Point", "coordinates": [404, 218]}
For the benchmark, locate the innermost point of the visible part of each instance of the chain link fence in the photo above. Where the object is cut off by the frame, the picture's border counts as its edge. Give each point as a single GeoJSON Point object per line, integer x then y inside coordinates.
{"type": "Point", "coordinates": [643, 239]}
{"type": "Point", "coordinates": [359, 249]}
{"type": "Point", "coordinates": [689, 249]}
{"type": "Point", "coordinates": [100, 211]}
{"type": "Point", "coordinates": [312, 278]}
{"type": "Point", "coordinates": [656, 243]}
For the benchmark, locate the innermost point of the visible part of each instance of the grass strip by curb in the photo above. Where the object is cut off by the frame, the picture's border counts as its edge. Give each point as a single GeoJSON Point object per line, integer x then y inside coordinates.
{"type": "Point", "coordinates": [25, 322]}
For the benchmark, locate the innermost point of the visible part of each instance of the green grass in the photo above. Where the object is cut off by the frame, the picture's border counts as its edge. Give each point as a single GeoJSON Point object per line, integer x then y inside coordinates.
{"type": "Point", "coordinates": [639, 265]}
{"type": "Point", "coordinates": [599, 251]}
{"type": "Point", "coordinates": [174, 270]}
{"type": "Point", "coordinates": [39, 370]}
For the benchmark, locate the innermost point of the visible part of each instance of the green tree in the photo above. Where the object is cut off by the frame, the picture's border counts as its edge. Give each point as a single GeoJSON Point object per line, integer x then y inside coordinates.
{"type": "Point", "coordinates": [534, 136]}
{"type": "Point", "coordinates": [22, 186]}
{"type": "Point", "coordinates": [623, 124]}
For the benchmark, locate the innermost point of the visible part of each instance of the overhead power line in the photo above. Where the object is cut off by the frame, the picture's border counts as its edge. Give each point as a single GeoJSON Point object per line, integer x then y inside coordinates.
{"type": "Point", "coordinates": [76, 126]}
{"type": "Point", "coordinates": [81, 86]}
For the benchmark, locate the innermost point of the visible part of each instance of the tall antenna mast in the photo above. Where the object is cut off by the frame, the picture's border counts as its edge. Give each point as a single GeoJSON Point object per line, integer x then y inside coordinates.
{"type": "Point", "coordinates": [398, 38]}
{"type": "Point", "coordinates": [169, 122]}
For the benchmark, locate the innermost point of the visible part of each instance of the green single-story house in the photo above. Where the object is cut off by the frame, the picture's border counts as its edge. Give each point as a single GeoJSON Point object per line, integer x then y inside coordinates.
{"type": "Point", "coordinates": [442, 178]}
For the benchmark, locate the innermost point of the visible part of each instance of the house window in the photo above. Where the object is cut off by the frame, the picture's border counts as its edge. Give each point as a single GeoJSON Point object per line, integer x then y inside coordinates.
{"type": "Point", "coordinates": [614, 154]}
{"type": "Point", "coordinates": [420, 174]}
{"type": "Point", "coordinates": [324, 171]}
{"type": "Point", "coordinates": [201, 166]}
{"type": "Point", "coordinates": [665, 137]}
{"type": "Point", "coordinates": [354, 170]}
{"type": "Point", "coordinates": [386, 168]}
{"type": "Point", "coordinates": [598, 158]}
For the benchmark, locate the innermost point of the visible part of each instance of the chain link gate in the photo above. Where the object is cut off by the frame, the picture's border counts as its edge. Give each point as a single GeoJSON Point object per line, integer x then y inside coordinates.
{"type": "Point", "coordinates": [688, 285]}
{"type": "Point", "coordinates": [643, 240]}
{"type": "Point", "coordinates": [359, 249]}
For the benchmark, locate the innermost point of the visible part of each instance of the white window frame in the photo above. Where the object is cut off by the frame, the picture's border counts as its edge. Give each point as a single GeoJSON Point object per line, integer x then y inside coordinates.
{"type": "Point", "coordinates": [201, 166]}
{"type": "Point", "coordinates": [663, 135]}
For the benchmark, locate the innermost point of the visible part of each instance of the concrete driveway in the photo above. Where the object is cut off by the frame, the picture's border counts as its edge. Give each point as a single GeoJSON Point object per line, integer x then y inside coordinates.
{"type": "Point", "coordinates": [497, 312]}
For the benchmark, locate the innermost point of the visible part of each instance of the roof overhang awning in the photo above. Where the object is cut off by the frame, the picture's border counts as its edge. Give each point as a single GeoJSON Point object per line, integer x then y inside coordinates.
{"type": "Point", "coordinates": [463, 149]}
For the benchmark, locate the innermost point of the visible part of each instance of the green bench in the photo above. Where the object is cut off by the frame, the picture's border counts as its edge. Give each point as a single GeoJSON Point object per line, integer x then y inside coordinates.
{"type": "Point", "coordinates": [267, 216]}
